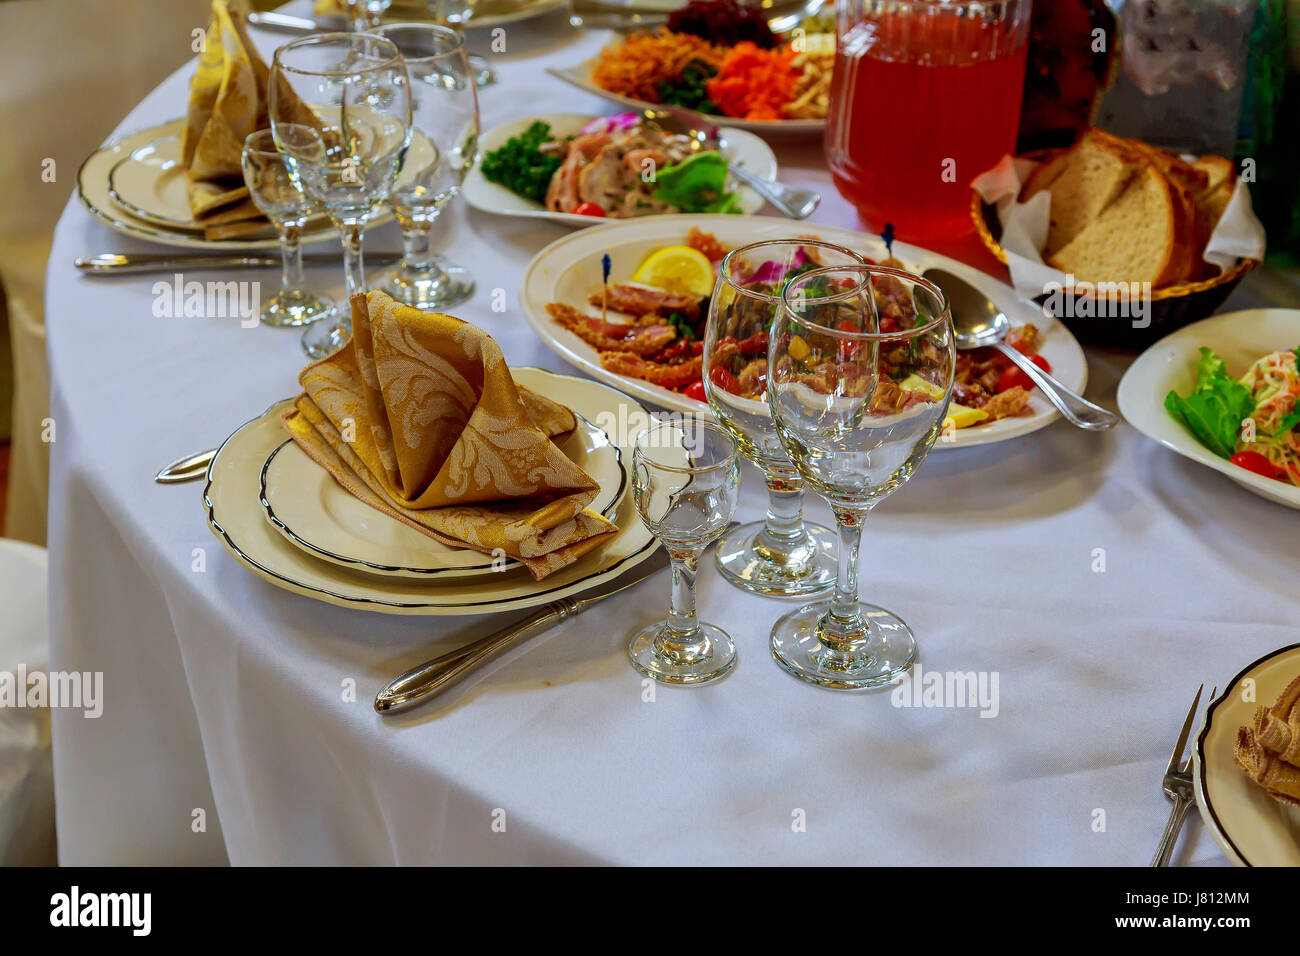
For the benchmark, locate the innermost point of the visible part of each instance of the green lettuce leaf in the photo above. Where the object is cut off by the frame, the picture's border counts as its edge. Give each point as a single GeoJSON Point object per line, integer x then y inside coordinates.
{"type": "Point", "coordinates": [697, 184]}
{"type": "Point", "coordinates": [1215, 409]}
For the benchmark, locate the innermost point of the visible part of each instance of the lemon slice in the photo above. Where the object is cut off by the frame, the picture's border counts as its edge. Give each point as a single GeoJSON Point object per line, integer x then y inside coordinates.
{"type": "Point", "coordinates": [677, 269]}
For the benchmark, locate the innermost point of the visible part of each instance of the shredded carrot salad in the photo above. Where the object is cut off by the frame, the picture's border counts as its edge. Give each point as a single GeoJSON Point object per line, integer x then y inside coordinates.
{"type": "Point", "coordinates": [635, 66]}
{"type": "Point", "coordinates": [754, 83]}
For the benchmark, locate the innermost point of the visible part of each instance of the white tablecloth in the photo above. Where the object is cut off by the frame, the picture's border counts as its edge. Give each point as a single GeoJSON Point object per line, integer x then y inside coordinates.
{"type": "Point", "coordinates": [227, 733]}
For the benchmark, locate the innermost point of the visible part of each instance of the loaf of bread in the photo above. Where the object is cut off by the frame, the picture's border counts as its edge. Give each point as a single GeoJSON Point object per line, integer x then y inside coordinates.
{"type": "Point", "coordinates": [1125, 211]}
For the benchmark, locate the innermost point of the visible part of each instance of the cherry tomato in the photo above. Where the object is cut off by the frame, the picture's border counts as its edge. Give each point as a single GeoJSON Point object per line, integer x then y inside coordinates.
{"type": "Point", "coordinates": [756, 344]}
{"type": "Point", "coordinates": [1254, 461]}
{"type": "Point", "coordinates": [724, 380]}
{"type": "Point", "coordinates": [1013, 376]}
{"type": "Point", "coordinates": [590, 209]}
{"type": "Point", "coordinates": [846, 349]}
{"type": "Point", "coordinates": [695, 390]}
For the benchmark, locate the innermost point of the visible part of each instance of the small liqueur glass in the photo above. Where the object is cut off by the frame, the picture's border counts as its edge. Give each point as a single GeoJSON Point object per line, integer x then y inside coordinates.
{"type": "Point", "coordinates": [444, 141]}
{"type": "Point", "coordinates": [781, 556]}
{"type": "Point", "coordinates": [860, 372]}
{"type": "Point", "coordinates": [686, 480]}
{"type": "Point", "coordinates": [340, 108]}
{"type": "Point", "coordinates": [273, 191]}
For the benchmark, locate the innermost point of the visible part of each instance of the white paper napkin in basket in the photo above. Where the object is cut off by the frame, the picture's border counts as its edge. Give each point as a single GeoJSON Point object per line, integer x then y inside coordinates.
{"type": "Point", "coordinates": [1238, 234]}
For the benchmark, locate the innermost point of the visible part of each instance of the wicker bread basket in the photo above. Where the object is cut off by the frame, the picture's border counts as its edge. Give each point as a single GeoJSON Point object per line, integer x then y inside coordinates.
{"type": "Point", "coordinates": [1171, 307]}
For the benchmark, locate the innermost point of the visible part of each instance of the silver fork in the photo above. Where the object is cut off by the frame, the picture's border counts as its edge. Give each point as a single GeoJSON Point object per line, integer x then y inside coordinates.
{"type": "Point", "coordinates": [1178, 786]}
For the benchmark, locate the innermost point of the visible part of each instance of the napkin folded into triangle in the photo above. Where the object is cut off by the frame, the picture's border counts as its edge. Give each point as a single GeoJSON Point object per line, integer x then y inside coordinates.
{"type": "Point", "coordinates": [1269, 749]}
{"type": "Point", "coordinates": [228, 100]}
{"type": "Point", "coordinates": [419, 417]}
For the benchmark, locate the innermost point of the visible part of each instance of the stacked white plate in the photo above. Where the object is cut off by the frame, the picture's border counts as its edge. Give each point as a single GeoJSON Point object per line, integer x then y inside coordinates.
{"type": "Point", "coordinates": [137, 186]}
{"type": "Point", "coordinates": [286, 520]}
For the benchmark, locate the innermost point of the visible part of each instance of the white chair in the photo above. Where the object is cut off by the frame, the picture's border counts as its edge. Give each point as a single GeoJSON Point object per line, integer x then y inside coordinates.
{"type": "Point", "coordinates": [26, 771]}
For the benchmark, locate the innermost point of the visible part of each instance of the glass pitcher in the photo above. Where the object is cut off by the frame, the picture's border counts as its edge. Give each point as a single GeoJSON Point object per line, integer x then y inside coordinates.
{"type": "Point", "coordinates": [925, 97]}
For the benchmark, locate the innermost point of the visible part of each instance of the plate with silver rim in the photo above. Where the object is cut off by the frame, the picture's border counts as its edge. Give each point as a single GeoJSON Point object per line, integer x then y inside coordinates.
{"type": "Point", "coordinates": [306, 505]}
{"type": "Point", "coordinates": [236, 519]}
{"type": "Point", "coordinates": [1250, 827]}
{"type": "Point", "coordinates": [95, 190]}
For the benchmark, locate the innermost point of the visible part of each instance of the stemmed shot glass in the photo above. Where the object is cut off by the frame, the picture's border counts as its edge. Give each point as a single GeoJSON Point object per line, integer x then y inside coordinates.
{"type": "Point", "coordinates": [341, 115]}
{"type": "Point", "coordinates": [280, 199]}
{"type": "Point", "coordinates": [782, 555]}
{"type": "Point", "coordinates": [860, 371]}
{"type": "Point", "coordinates": [686, 480]}
{"type": "Point", "coordinates": [444, 140]}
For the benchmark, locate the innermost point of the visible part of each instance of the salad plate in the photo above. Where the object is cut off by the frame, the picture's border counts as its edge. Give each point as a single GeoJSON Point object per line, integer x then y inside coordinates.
{"type": "Point", "coordinates": [737, 146]}
{"type": "Point", "coordinates": [1239, 339]}
{"type": "Point", "coordinates": [306, 505]}
{"type": "Point", "coordinates": [569, 271]}
{"type": "Point", "coordinates": [580, 77]}
{"type": "Point", "coordinates": [134, 186]}
{"type": "Point", "coordinates": [1250, 827]}
{"type": "Point", "coordinates": [236, 518]}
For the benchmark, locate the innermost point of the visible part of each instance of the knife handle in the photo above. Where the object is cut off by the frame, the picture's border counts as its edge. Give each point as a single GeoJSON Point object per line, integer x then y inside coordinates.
{"type": "Point", "coordinates": [431, 678]}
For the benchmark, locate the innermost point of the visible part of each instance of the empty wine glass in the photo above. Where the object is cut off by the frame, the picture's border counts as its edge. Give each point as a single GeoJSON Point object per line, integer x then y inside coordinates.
{"type": "Point", "coordinates": [685, 479]}
{"type": "Point", "coordinates": [782, 555]}
{"type": "Point", "coordinates": [457, 14]}
{"type": "Point", "coordinates": [444, 141]}
{"type": "Point", "coordinates": [341, 115]}
{"type": "Point", "coordinates": [860, 370]}
{"type": "Point", "coordinates": [280, 199]}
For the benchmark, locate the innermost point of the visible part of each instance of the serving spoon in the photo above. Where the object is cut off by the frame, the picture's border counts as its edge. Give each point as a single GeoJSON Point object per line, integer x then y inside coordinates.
{"type": "Point", "coordinates": [979, 323]}
{"type": "Point", "coordinates": [789, 200]}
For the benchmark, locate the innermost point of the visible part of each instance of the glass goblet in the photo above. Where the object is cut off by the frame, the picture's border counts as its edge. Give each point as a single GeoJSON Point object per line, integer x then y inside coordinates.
{"type": "Point", "coordinates": [444, 141]}
{"type": "Point", "coordinates": [458, 14]}
{"type": "Point", "coordinates": [686, 480]}
{"type": "Point", "coordinates": [340, 110]}
{"type": "Point", "coordinates": [860, 371]}
{"type": "Point", "coordinates": [274, 192]}
{"type": "Point", "coordinates": [781, 556]}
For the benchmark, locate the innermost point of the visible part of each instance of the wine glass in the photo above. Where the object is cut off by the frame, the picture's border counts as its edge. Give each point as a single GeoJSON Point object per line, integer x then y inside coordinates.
{"type": "Point", "coordinates": [275, 193]}
{"type": "Point", "coordinates": [341, 115]}
{"type": "Point", "coordinates": [444, 141]}
{"type": "Point", "coordinates": [364, 15]}
{"type": "Point", "coordinates": [458, 14]}
{"type": "Point", "coordinates": [685, 481]}
{"type": "Point", "coordinates": [860, 371]}
{"type": "Point", "coordinates": [782, 555]}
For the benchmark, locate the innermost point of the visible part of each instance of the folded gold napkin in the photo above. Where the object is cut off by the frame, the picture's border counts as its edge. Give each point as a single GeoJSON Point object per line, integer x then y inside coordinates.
{"type": "Point", "coordinates": [419, 417]}
{"type": "Point", "coordinates": [1269, 749]}
{"type": "Point", "coordinates": [228, 100]}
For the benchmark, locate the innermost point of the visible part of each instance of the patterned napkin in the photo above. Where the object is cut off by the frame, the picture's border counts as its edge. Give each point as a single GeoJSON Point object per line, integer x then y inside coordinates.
{"type": "Point", "coordinates": [228, 100]}
{"type": "Point", "coordinates": [419, 417]}
{"type": "Point", "coordinates": [1269, 749]}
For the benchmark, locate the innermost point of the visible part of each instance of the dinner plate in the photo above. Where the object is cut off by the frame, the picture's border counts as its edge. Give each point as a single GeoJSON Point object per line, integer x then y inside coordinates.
{"type": "Point", "coordinates": [95, 187]}
{"type": "Point", "coordinates": [580, 76]}
{"type": "Point", "coordinates": [569, 268]}
{"type": "Point", "coordinates": [150, 184]}
{"type": "Point", "coordinates": [736, 145]}
{"type": "Point", "coordinates": [1250, 827]}
{"type": "Point", "coordinates": [1239, 338]}
{"type": "Point", "coordinates": [235, 517]}
{"type": "Point", "coordinates": [305, 504]}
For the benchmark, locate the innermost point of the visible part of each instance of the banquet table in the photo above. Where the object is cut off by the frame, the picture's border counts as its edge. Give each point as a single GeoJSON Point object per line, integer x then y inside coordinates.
{"type": "Point", "coordinates": [1099, 576]}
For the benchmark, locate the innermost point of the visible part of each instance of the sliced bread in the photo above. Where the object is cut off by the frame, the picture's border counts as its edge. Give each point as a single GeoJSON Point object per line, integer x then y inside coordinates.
{"type": "Point", "coordinates": [1136, 238]}
{"type": "Point", "coordinates": [1094, 173]}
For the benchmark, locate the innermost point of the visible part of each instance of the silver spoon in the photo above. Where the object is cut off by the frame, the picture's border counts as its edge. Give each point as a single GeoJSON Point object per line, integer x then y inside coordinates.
{"type": "Point", "coordinates": [790, 200]}
{"type": "Point", "coordinates": [978, 323]}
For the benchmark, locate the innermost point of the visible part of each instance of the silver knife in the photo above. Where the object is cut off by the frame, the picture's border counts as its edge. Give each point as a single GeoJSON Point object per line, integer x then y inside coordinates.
{"type": "Point", "coordinates": [290, 24]}
{"type": "Point", "coordinates": [431, 678]}
{"type": "Point", "coordinates": [117, 263]}
{"type": "Point", "coordinates": [186, 469]}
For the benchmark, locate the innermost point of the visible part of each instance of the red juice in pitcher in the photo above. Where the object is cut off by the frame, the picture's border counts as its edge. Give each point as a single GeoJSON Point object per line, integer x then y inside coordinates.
{"type": "Point", "coordinates": [925, 97]}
